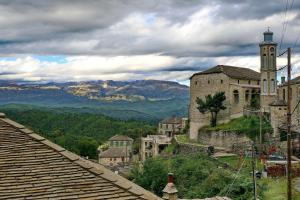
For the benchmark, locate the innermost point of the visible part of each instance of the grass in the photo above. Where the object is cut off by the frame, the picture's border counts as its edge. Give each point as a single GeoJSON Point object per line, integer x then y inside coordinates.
{"type": "Point", "coordinates": [275, 189]}
{"type": "Point", "coordinates": [185, 139]}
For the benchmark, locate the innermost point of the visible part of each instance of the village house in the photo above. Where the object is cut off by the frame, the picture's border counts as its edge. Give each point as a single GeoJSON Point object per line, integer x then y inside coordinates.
{"type": "Point", "coordinates": [153, 145]}
{"type": "Point", "coordinates": [119, 151]}
{"type": "Point", "coordinates": [243, 89]}
{"type": "Point", "coordinates": [172, 125]}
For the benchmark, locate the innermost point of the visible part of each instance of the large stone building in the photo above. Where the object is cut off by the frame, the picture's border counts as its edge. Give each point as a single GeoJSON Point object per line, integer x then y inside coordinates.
{"type": "Point", "coordinates": [239, 84]}
{"type": "Point", "coordinates": [242, 87]}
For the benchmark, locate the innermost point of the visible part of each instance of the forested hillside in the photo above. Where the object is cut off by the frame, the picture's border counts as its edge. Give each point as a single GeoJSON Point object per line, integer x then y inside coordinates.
{"type": "Point", "coordinates": [77, 132]}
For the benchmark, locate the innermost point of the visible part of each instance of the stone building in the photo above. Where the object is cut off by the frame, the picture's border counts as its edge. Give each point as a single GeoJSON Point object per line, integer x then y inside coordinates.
{"type": "Point", "coordinates": [119, 151]}
{"type": "Point", "coordinates": [171, 126]}
{"type": "Point", "coordinates": [153, 145]}
{"type": "Point", "coordinates": [240, 85]}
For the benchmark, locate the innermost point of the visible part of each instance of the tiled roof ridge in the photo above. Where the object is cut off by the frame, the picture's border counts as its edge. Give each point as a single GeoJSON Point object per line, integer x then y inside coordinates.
{"type": "Point", "coordinates": [224, 69]}
{"type": "Point", "coordinates": [93, 168]}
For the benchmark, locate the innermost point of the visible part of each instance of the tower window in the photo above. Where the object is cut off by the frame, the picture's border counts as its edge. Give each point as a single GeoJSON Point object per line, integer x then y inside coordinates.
{"type": "Point", "coordinates": [272, 86]}
{"type": "Point", "coordinates": [265, 86]}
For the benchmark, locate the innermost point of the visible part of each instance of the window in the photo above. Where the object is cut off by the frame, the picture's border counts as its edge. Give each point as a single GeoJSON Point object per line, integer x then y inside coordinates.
{"type": "Point", "coordinates": [272, 86]}
{"type": "Point", "coordinates": [247, 94]}
{"type": "Point", "coordinates": [196, 82]}
{"type": "Point", "coordinates": [238, 81]}
{"type": "Point", "coordinates": [283, 94]}
{"type": "Point", "coordinates": [258, 82]}
{"type": "Point", "coordinates": [249, 82]}
{"type": "Point", "coordinates": [221, 81]}
{"type": "Point", "coordinates": [236, 96]}
{"type": "Point", "coordinates": [208, 81]}
{"type": "Point", "coordinates": [265, 86]}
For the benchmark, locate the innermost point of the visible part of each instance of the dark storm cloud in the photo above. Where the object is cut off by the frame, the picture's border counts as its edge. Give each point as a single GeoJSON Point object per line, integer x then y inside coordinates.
{"type": "Point", "coordinates": [75, 27]}
{"type": "Point", "coordinates": [184, 35]}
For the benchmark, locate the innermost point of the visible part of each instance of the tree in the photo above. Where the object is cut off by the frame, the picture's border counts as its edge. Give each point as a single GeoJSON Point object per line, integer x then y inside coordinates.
{"type": "Point", "coordinates": [212, 104]}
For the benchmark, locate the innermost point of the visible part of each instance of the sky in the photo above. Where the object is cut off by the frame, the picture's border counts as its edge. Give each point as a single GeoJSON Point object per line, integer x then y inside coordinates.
{"type": "Point", "coordinates": [79, 40]}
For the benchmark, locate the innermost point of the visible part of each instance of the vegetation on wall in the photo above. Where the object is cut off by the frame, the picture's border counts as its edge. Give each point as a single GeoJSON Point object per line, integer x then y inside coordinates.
{"type": "Point", "coordinates": [212, 104]}
{"type": "Point", "coordinates": [78, 132]}
{"type": "Point", "coordinates": [247, 125]}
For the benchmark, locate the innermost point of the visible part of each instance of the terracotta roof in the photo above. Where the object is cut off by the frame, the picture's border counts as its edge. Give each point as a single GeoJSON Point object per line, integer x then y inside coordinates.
{"type": "Point", "coordinates": [32, 167]}
{"type": "Point", "coordinates": [278, 102]}
{"type": "Point", "coordinates": [172, 120]}
{"type": "Point", "coordinates": [233, 72]}
{"type": "Point", "coordinates": [114, 152]}
{"type": "Point", "coordinates": [120, 138]}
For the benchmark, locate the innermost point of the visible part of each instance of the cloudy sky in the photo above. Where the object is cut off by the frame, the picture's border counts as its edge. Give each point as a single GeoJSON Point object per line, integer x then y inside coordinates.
{"type": "Point", "coordinates": [67, 40]}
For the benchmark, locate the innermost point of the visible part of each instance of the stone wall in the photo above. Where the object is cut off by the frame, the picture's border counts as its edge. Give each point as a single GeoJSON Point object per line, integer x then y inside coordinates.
{"type": "Point", "coordinates": [224, 139]}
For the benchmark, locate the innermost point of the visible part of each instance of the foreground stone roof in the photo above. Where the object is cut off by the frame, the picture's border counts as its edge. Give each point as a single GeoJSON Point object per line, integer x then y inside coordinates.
{"type": "Point", "coordinates": [233, 72]}
{"type": "Point", "coordinates": [32, 167]}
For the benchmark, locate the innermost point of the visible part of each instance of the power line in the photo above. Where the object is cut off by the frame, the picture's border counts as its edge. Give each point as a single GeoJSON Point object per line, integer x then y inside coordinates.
{"type": "Point", "coordinates": [237, 174]}
{"type": "Point", "coordinates": [284, 24]}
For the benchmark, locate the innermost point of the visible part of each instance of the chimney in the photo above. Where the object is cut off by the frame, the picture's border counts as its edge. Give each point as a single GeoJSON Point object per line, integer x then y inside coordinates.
{"type": "Point", "coordinates": [282, 79]}
{"type": "Point", "coordinates": [170, 191]}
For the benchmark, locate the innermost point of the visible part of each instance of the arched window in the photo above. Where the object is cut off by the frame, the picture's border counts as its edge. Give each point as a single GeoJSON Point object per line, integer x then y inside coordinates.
{"type": "Point", "coordinates": [236, 96]}
{"type": "Point", "coordinates": [265, 86]}
{"type": "Point", "coordinates": [272, 86]}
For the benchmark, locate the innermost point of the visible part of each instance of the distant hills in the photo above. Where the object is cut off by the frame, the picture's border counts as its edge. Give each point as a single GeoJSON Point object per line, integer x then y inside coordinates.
{"type": "Point", "coordinates": [142, 99]}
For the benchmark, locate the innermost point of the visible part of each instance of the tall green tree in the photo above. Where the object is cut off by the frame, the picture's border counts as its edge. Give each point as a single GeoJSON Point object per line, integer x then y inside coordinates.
{"type": "Point", "coordinates": [213, 104]}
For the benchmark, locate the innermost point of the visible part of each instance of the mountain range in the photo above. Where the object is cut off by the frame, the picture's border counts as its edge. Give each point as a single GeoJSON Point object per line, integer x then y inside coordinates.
{"type": "Point", "coordinates": [141, 99]}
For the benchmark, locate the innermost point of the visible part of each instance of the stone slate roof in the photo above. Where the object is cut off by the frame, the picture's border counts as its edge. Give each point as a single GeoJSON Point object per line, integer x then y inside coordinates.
{"type": "Point", "coordinates": [233, 72]}
{"type": "Point", "coordinates": [172, 120]}
{"type": "Point", "coordinates": [120, 138]}
{"type": "Point", "coordinates": [32, 167]}
{"type": "Point", "coordinates": [295, 80]}
{"type": "Point", "coordinates": [114, 152]}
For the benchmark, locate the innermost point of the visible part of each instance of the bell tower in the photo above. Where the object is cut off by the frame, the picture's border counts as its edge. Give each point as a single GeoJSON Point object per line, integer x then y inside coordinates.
{"type": "Point", "coordinates": [268, 77]}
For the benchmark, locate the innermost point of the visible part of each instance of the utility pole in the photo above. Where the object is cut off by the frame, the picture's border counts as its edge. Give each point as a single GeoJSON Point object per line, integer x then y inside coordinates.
{"type": "Point", "coordinates": [289, 178]}
{"type": "Point", "coordinates": [253, 173]}
{"type": "Point", "coordinates": [260, 132]}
